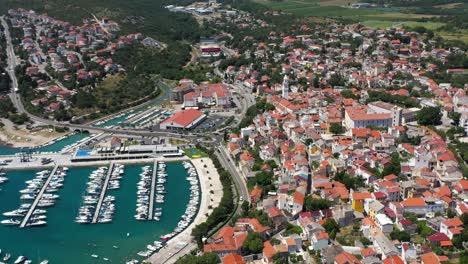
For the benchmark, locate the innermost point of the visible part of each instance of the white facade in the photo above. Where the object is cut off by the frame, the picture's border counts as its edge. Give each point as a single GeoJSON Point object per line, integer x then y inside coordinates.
{"type": "Point", "coordinates": [384, 223]}
{"type": "Point", "coordinates": [285, 88]}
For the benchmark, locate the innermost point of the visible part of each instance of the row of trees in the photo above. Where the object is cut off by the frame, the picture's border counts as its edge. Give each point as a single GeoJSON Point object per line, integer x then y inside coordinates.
{"type": "Point", "coordinates": [400, 100]}
{"type": "Point", "coordinates": [225, 207]}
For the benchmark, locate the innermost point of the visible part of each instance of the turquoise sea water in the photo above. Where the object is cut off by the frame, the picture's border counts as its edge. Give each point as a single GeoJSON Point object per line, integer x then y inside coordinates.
{"type": "Point", "coordinates": [64, 241]}
{"type": "Point", "coordinates": [118, 121]}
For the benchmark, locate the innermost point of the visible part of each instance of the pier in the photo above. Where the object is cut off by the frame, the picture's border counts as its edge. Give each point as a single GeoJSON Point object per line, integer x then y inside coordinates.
{"type": "Point", "coordinates": [38, 198]}
{"type": "Point", "coordinates": [153, 187]}
{"type": "Point", "coordinates": [103, 193]}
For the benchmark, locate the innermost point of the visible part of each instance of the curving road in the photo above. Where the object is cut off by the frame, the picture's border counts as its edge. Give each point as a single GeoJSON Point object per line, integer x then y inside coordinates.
{"type": "Point", "coordinates": [12, 63]}
{"type": "Point", "coordinates": [247, 100]}
{"type": "Point", "coordinates": [238, 179]}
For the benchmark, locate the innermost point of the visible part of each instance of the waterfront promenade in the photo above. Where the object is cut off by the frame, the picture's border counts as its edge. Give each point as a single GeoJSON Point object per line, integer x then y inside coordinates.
{"type": "Point", "coordinates": [65, 160]}
{"type": "Point", "coordinates": [182, 243]}
{"type": "Point", "coordinates": [38, 198]}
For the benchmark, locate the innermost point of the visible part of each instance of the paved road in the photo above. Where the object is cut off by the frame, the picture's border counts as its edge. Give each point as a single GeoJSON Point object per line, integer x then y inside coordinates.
{"type": "Point", "coordinates": [12, 63]}
{"type": "Point", "coordinates": [238, 179]}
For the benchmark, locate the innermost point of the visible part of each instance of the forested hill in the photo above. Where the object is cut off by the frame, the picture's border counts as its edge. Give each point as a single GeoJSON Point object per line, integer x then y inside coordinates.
{"type": "Point", "coordinates": [145, 16]}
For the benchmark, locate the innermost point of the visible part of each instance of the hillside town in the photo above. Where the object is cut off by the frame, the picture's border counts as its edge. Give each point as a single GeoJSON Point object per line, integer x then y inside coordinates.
{"type": "Point", "coordinates": [355, 151]}
{"type": "Point", "coordinates": [58, 58]}
{"type": "Point", "coordinates": [307, 140]}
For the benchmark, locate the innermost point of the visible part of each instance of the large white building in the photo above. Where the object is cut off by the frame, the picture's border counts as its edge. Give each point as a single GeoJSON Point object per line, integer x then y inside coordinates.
{"type": "Point", "coordinates": [206, 95]}
{"type": "Point", "coordinates": [362, 116]}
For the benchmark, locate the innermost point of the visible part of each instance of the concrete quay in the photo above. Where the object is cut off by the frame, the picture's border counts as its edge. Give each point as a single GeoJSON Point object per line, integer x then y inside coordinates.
{"type": "Point", "coordinates": [103, 193]}
{"type": "Point", "coordinates": [153, 187]}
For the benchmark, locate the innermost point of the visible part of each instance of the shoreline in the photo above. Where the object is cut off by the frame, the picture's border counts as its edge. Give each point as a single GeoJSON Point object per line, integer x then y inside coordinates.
{"type": "Point", "coordinates": [182, 243]}
{"type": "Point", "coordinates": [32, 141]}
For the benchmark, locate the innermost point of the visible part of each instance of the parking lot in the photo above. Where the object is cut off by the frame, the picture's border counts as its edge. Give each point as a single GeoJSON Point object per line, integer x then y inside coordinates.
{"type": "Point", "coordinates": [211, 123]}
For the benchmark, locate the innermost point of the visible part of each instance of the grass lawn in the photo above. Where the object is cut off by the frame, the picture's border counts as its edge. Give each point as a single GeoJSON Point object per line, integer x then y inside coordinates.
{"type": "Point", "coordinates": [337, 8]}
{"type": "Point", "coordinates": [387, 24]}
{"type": "Point", "coordinates": [454, 35]}
{"type": "Point", "coordinates": [195, 153]}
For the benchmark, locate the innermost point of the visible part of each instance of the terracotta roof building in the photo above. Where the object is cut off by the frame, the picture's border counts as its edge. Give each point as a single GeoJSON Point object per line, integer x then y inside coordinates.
{"type": "Point", "coordinates": [183, 120]}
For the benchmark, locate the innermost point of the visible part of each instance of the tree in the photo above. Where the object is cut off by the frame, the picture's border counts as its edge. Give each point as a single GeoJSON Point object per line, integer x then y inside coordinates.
{"type": "Point", "coordinates": [464, 218]}
{"type": "Point", "coordinates": [365, 241]}
{"type": "Point", "coordinates": [429, 116]}
{"type": "Point", "coordinates": [349, 94]}
{"type": "Point", "coordinates": [292, 229]}
{"type": "Point", "coordinates": [312, 204]}
{"type": "Point", "coordinates": [280, 259]}
{"type": "Point", "coordinates": [400, 235]}
{"type": "Point", "coordinates": [336, 80]}
{"type": "Point", "coordinates": [455, 116]}
{"type": "Point", "coordinates": [253, 244]}
{"type": "Point", "coordinates": [332, 227]}
{"type": "Point", "coordinates": [206, 258]}
{"type": "Point", "coordinates": [336, 128]}
{"type": "Point", "coordinates": [349, 181]}
{"type": "Point", "coordinates": [245, 207]}
{"type": "Point", "coordinates": [395, 165]}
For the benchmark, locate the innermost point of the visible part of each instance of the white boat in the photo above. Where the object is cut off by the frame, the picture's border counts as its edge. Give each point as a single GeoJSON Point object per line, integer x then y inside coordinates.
{"type": "Point", "coordinates": [28, 261]}
{"type": "Point", "coordinates": [7, 257]}
{"type": "Point", "coordinates": [94, 256]}
{"type": "Point", "coordinates": [44, 262]}
{"type": "Point", "coordinates": [20, 259]}
{"type": "Point", "coordinates": [37, 223]}
{"type": "Point", "coordinates": [38, 217]}
{"type": "Point", "coordinates": [18, 212]}
{"type": "Point", "coordinates": [39, 211]}
{"type": "Point", "coordinates": [151, 247]}
{"type": "Point", "coordinates": [144, 253]}
{"type": "Point", "coordinates": [10, 222]}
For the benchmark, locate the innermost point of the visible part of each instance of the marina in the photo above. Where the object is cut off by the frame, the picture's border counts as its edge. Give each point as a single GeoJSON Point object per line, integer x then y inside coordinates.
{"type": "Point", "coordinates": [39, 197]}
{"type": "Point", "coordinates": [153, 184]}
{"type": "Point", "coordinates": [63, 240]}
{"type": "Point", "coordinates": [103, 193]}
{"type": "Point", "coordinates": [191, 209]}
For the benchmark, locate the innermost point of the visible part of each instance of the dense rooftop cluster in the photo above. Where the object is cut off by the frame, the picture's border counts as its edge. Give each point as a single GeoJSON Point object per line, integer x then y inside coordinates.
{"type": "Point", "coordinates": [354, 153]}
{"type": "Point", "coordinates": [58, 57]}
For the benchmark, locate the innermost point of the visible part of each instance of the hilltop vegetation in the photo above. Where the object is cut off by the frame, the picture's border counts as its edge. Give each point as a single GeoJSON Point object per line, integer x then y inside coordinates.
{"type": "Point", "coordinates": [153, 19]}
{"type": "Point", "coordinates": [445, 17]}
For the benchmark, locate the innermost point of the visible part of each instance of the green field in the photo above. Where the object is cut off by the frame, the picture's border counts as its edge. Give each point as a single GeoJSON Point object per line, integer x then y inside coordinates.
{"type": "Point", "coordinates": [335, 8]}
{"type": "Point", "coordinates": [195, 153]}
{"type": "Point", "coordinates": [412, 24]}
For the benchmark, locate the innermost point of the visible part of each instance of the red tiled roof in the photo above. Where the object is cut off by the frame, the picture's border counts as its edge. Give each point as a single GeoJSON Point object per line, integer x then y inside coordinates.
{"type": "Point", "coordinates": [413, 202]}
{"type": "Point", "coordinates": [346, 258]}
{"type": "Point", "coordinates": [361, 196]}
{"type": "Point", "coordinates": [184, 117]}
{"type": "Point", "coordinates": [233, 259]}
{"type": "Point", "coordinates": [429, 258]}
{"type": "Point", "coordinates": [298, 198]}
{"type": "Point", "coordinates": [453, 222]}
{"type": "Point", "coordinates": [393, 260]}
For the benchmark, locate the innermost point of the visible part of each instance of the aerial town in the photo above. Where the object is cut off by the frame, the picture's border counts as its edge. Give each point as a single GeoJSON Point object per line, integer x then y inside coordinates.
{"type": "Point", "coordinates": [357, 157]}
{"type": "Point", "coordinates": [304, 142]}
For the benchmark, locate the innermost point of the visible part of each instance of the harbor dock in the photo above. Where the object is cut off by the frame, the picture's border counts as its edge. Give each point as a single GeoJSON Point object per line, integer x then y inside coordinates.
{"type": "Point", "coordinates": [38, 198]}
{"type": "Point", "coordinates": [153, 187]}
{"type": "Point", "coordinates": [103, 193]}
